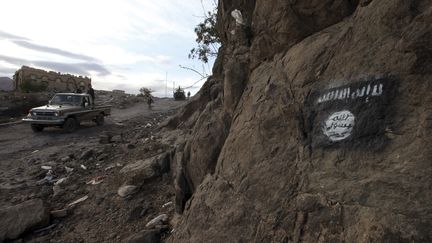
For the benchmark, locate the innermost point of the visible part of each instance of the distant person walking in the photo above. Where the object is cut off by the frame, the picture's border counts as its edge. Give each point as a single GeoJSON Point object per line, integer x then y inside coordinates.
{"type": "Point", "coordinates": [150, 101]}
{"type": "Point", "coordinates": [188, 94]}
{"type": "Point", "coordinates": [91, 92]}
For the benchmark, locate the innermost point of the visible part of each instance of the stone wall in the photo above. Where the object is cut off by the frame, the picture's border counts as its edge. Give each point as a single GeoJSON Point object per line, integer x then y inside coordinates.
{"type": "Point", "coordinates": [48, 80]}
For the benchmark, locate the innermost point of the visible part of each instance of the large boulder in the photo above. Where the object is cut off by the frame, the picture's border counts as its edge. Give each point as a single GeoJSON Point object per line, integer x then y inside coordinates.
{"type": "Point", "coordinates": [142, 171]}
{"type": "Point", "coordinates": [15, 220]}
{"type": "Point", "coordinates": [326, 142]}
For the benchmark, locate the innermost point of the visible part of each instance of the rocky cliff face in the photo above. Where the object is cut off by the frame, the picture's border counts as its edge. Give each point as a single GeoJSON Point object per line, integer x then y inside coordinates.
{"type": "Point", "coordinates": [315, 127]}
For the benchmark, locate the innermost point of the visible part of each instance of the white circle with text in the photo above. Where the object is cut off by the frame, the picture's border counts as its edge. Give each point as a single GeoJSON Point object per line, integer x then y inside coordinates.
{"type": "Point", "coordinates": [339, 125]}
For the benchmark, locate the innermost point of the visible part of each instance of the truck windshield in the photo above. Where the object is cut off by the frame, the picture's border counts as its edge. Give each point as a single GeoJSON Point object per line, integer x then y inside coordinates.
{"type": "Point", "coordinates": [66, 100]}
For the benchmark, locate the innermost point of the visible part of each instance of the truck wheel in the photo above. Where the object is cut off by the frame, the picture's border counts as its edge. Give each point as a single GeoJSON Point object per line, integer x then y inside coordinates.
{"type": "Point", "coordinates": [70, 125]}
{"type": "Point", "coordinates": [37, 127]}
{"type": "Point", "coordinates": [100, 119]}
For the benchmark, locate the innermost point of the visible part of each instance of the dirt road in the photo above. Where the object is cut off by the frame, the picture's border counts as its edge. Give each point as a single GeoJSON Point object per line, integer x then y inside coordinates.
{"type": "Point", "coordinates": [23, 153]}
{"type": "Point", "coordinates": [18, 141]}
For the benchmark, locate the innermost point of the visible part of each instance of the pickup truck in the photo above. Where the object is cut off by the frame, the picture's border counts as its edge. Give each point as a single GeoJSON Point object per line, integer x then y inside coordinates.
{"type": "Point", "coordinates": [66, 110]}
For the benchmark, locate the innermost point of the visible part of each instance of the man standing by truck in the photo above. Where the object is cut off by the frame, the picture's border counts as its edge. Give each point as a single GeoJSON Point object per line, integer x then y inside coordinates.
{"type": "Point", "coordinates": [91, 92]}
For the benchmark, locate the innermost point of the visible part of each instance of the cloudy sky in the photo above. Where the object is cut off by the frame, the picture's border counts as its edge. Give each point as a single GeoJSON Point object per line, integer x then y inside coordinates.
{"type": "Point", "coordinates": [120, 44]}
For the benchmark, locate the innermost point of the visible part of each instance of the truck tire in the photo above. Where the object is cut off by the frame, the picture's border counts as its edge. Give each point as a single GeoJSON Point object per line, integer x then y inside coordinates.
{"type": "Point", "coordinates": [37, 127]}
{"type": "Point", "coordinates": [70, 125]}
{"type": "Point", "coordinates": [100, 119]}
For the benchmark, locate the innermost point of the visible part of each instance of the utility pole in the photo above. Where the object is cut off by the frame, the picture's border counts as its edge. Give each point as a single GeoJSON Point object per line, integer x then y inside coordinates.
{"type": "Point", "coordinates": [166, 84]}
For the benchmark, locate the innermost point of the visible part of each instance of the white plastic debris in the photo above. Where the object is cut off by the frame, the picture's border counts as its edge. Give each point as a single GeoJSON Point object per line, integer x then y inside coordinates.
{"type": "Point", "coordinates": [68, 169]}
{"type": "Point", "coordinates": [60, 181]}
{"type": "Point", "coordinates": [110, 167]}
{"type": "Point", "coordinates": [127, 190]}
{"type": "Point", "coordinates": [46, 167]}
{"type": "Point", "coordinates": [83, 167]}
{"type": "Point", "coordinates": [236, 14]}
{"type": "Point", "coordinates": [35, 151]}
{"type": "Point", "coordinates": [167, 204]}
{"type": "Point", "coordinates": [47, 179]}
{"type": "Point", "coordinates": [157, 221]}
{"type": "Point", "coordinates": [148, 125]}
{"type": "Point", "coordinates": [77, 201]}
{"type": "Point", "coordinates": [96, 180]}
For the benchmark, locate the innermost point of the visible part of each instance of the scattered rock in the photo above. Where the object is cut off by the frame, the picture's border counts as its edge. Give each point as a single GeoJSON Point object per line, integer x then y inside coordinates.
{"type": "Point", "coordinates": [117, 139]}
{"type": "Point", "coordinates": [141, 170]}
{"type": "Point", "coordinates": [105, 139]}
{"type": "Point", "coordinates": [53, 155]}
{"type": "Point", "coordinates": [23, 217]}
{"type": "Point", "coordinates": [135, 213]}
{"type": "Point", "coordinates": [65, 159]}
{"type": "Point", "coordinates": [102, 157]}
{"type": "Point", "coordinates": [59, 213]}
{"type": "Point", "coordinates": [87, 154]}
{"type": "Point", "coordinates": [145, 236]}
{"type": "Point", "coordinates": [57, 190]}
{"type": "Point", "coordinates": [127, 190]}
{"type": "Point", "coordinates": [45, 191]}
{"type": "Point", "coordinates": [146, 170]}
{"type": "Point", "coordinates": [159, 220]}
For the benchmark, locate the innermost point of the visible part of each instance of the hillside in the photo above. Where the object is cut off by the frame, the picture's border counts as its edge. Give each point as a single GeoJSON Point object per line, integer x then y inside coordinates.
{"type": "Point", "coordinates": [313, 128]}
{"type": "Point", "coordinates": [6, 84]}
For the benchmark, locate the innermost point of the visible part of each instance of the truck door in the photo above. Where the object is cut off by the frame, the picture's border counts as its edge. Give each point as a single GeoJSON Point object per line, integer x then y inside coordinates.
{"type": "Point", "coordinates": [87, 109]}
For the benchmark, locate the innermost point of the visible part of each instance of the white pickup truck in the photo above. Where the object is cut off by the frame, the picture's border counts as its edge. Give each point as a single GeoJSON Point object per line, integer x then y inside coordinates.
{"type": "Point", "coordinates": [66, 110]}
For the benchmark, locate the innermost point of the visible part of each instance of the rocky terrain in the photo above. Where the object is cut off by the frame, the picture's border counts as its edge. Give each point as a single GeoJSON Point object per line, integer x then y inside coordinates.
{"type": "Point", "coordinates": [313, 128]}
{"type": "Point", "coordinates": [100, 184]}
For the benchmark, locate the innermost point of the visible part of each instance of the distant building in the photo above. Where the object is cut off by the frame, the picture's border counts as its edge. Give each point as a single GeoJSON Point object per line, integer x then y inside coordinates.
{"type": "Point", "coordinates": [27, 79]}
{"type": "Point", "coordinates": [6, 84]}
{"type": "Point", "coordinates": [118, 92]}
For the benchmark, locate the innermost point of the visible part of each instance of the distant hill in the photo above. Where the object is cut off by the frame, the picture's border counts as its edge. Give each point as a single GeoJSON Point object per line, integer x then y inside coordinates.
{"type": "Point", "coordinates": [6, 84]}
